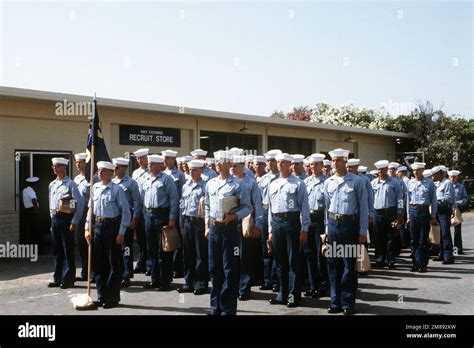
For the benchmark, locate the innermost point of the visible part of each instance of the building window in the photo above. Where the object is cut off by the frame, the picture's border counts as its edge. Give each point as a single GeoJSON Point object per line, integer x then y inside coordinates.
{"type": "Point", "coordinates": [213, 141]}
{"type": "Point", "coordinates": [291, 145]}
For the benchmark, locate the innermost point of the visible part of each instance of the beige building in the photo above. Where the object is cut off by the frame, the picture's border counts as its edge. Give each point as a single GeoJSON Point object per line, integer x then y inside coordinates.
{"type": "Point", "coordinates": [38, 125]}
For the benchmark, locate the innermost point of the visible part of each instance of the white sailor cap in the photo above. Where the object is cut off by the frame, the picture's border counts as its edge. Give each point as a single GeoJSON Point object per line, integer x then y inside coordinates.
{"type": "Point", "coordinates": [284, 157]}
{"type": "Point", "coordinates": [169, 153]}
{"type": "Point", "coordinates": [297, 158]}
{"type": "Point", "coordinates": [80, 156]}
{"type": "Point", "coordinates": [427, 173]}
{"type": "Point", "coordinates": [236, 151]}
{"type": "Point", "coordinates": [259, 159]}
{"type": "Point", "coordinates": [222, 155]}
{"type": "Point", "coordinates": [444, 168]}
{"type": "Point", "coordinates": [272, 154]}
{"type": "Point", "coordinates": [362, 169]}
{"type": "Point", "coordinates": [249, 158]}
{"type": "Point", "coordinates": [327, 163]}
{"type": "Point", "coordinates": [105, 165]}
{"type": "Point", "coordinates": [418, 165]}
{"type": "Point", "coordinates": [402, 169]}
{"type": "Point", "coordinates": [393, 165]}
{"type": "Point", "coordinates": [374, 172]}
{"type": "Point", "coordinates": [353, 162]}
{"type": "Point", "coordinates": [306, 161]}
{"type": "Point", "coordinates": [454, 172]}
{"type": "Point", "coordinates": [156, 159]}
{"type": "Point", "coordinates": [317, 157]}
{"type": "Point", "coordinates": [120, 161]}
{"type": "Point", "coordinates": [238, 159]}
{"type": "Point", "coordinates": [196, 164]}
{"type": "Point", "coordinates": [436, 169]}
{"type": "Point", "coordinates": [186, 159]}
{"type": "Point", "coordinates": [198, 152]}
{"type": "Point", "coordinates": [381, 164]}
{"type": "Point", "coordinates": [141, 152]}
{"type": "Point", "coordinates": [60, 161]}
{"type": "Point", "coordinates": [339, 153]}
{"type": "Point", "coordinates": [210, 160]}
{"type": "Point", "coordinates": [32, 179]}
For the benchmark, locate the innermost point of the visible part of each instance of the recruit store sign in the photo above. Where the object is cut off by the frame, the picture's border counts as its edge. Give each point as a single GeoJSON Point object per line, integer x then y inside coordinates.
{"type": "Point", "coordinates": [149, 136]}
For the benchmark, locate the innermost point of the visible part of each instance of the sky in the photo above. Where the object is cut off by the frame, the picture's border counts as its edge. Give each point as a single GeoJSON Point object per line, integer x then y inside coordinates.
{"type": "Point", "coordinates": [250, 57]}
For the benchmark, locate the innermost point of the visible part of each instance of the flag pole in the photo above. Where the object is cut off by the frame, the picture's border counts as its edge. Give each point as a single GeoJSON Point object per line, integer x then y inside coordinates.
{"type": "Point", "coordinates": [91, 201]}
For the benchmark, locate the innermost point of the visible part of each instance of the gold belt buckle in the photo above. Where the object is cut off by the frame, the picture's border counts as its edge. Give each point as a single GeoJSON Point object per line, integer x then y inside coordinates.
{"type": "Point", "coordinates": [338, 216]}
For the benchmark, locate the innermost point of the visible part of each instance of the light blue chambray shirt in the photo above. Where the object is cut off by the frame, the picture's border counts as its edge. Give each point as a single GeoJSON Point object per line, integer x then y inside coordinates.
{"type": "Point", "coordinates": [422, 192]}
{"type": "Point", "coordinates": [289, 195]}
{"type": "Point", "coordinates": [132, 192]}
{"type": "Point", "coordinates": [460, 194]}
{"type": "Point", "coordinates": [207, 174]}
{"type": "Point", "coordinates": [192, 193]}
{"type": "Point", "coordinates": [387, 194]}
{"type": "Point", "coordinates": [178, 177]}
{"type": "Point", "coordinates": [445, 193]}
{"type": "Point", "coordinates": [216, 191]}
{"type": "Point", "coordinates": [58, 189]}
{"type": "Point", "coordinates": [348, 195]}
{"type": "Point", "coordinates": [140, 175]}
{"type": "Point", "coordinates": [302, 176]}
{"type": "Point", "coordinates": [161, 192]}
{"type": "Point", "coordinates": [370, 193]}
{"type": "Point", "coordinates": [255, 199]}
{"type": "Point", "coordinates": [264, 185]}
{"type": "Point", "coordinates": [109, 202]}
{"type": "Point", "coordinates": [315, 188]}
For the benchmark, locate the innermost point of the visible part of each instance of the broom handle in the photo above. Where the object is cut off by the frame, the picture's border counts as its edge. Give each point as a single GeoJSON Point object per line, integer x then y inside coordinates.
{"type": "Point", "coordinates": [91, 208]}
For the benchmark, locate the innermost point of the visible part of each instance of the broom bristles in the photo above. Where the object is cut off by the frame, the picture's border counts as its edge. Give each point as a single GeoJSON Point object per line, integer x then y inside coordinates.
{"type": "Point", "coordinates": [81, 300]}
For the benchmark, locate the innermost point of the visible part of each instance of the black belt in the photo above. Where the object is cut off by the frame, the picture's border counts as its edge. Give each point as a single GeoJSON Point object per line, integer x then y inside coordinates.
{"type": "Point", "coordinates": [419, 206]}
{"type": "Point", "coordinates": [60, 213]}
{"type": "Point", "coordinates": [103, 219]}
{"type": "Point", "coordinates": [343, 217]}
{"type": "Point", "coordinates": [316, 212]}
{"type": "Point", "coordinates": [287, 214]}
{"type": "Point", "coordinates": [386, 210]}
{"type": "Point", "coordinates": [214, 222]}
{"type": "Point", "coordinates": [193, 218]}
{"type": "Point", "coordinates": [156, 210]}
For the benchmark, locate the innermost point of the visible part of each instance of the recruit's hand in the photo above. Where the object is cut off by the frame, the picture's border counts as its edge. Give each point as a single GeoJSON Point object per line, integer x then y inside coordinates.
{"type": "Point", "coordinates": [303, 237]}
{"type": "Point", "coordinates": [433, 222]}
{"type": "Point", "coordinates": [119, 239]}
{"type": "Point", "coordinates": [72, 227]}
{"type": "Point", "coordinates": [371, 220]}
{"type": "Point", "coordinates": [229, 218]}
{"type": "Point", "coordinates": [270, 236]}
{"type": "Point", "coordinates": [256, 232]}
{"type": "Point", "coordinates": [171, 224]}
{"type": "Point", "coordinates": [206, 233]}
{"type": "Point", "coordinates": [362, 239]}
{"type": "Point", "coordinates": [88, 236]}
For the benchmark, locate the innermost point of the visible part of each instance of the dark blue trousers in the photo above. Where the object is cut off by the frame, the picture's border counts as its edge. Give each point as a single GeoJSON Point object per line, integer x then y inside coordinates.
{"type": "Point", "coordinates": [161, 261]}
{"type": "Point", "coordinates": [342, 274]}
{"type": "Point", "coordinates": [270, 277]}
{"type": "Point", "coordinates": [195, 255]}
{"type": "Point", "coordinates": [127, 254]}
{"type": "Point", "coordinates": [178, 267]}
{"type": "Point", "coordinates": [458, 238]}
{"type": "Point", "coordinates": [286, 251]}
{"type": "Point", "coordinates": [419, 231]}
{"type": "Point", "coordinates": [143, 262]}
{"type": "Point", "coordinates": [446, 242]}
{"type": "Point", "coordinates": [385, 235]}
{"type": "Point", "coordinates": [249, 258]}
{"type": "Point", "coordinates": [316, 263]}
{"type": "Point", "coordinates": [62, 242]}
{"type": "Point", "coordinates": [83, 246]}
{"type": "Point", "coordinates": [107, 261]}
{"type": "Point", "coordinates": [224, 245]}
{"type": "Point", "coordinates": [405, 232]}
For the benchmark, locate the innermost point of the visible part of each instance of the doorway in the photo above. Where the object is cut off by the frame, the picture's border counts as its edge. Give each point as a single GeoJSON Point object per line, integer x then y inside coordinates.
{"type": "Point", "coordinates": [37, 163]}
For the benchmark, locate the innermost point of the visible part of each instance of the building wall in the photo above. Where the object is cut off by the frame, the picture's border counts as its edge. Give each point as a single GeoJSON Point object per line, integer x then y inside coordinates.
{"type": "Point", "coordinates": [33, 125]}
